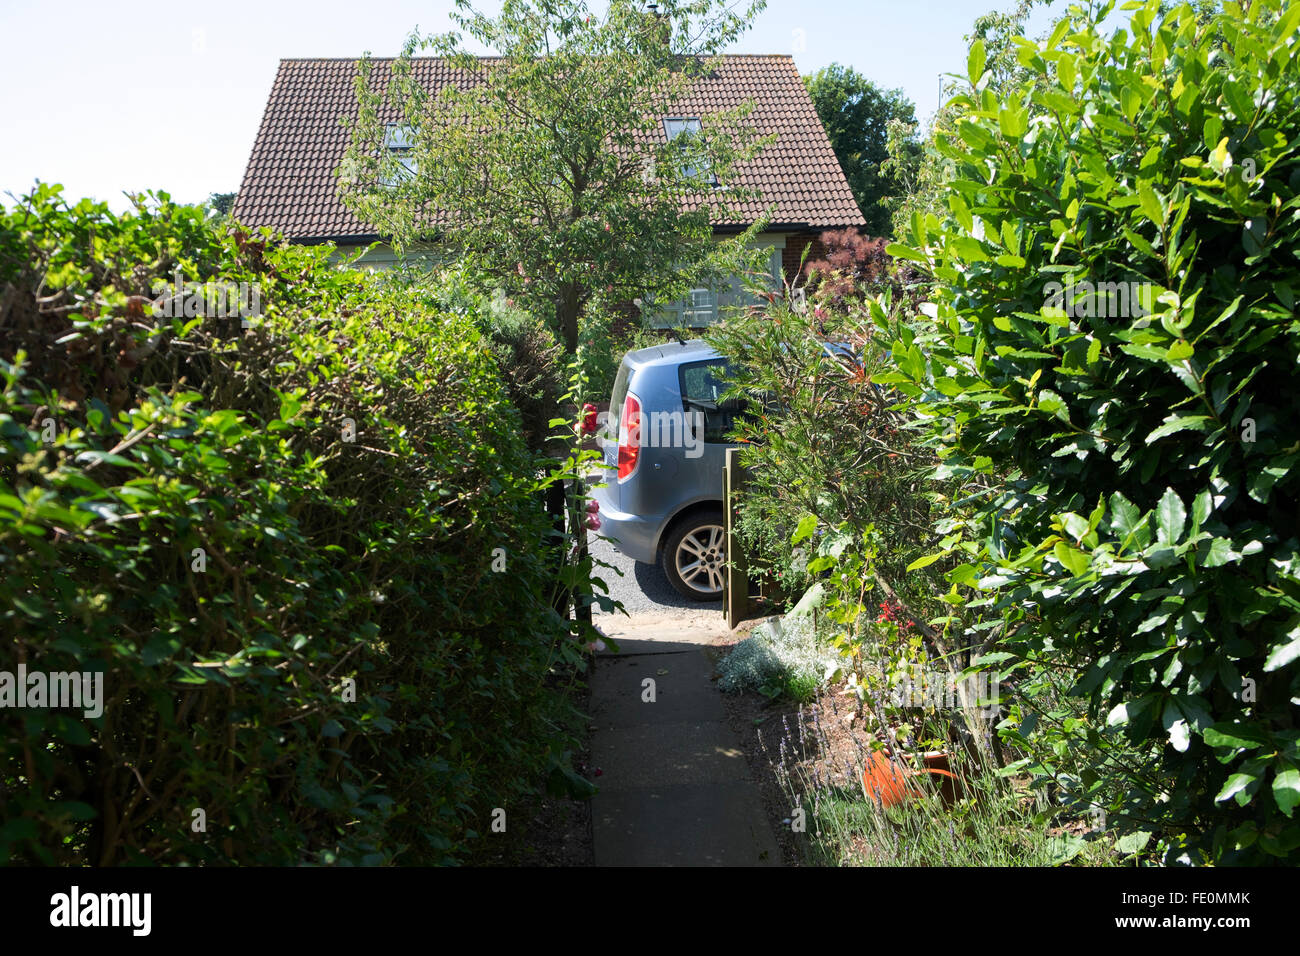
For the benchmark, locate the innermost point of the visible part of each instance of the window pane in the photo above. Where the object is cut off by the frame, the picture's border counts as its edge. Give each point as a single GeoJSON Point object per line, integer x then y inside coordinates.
{"type": "Point", "coordinates": [398, 136]}
{"type": "Point", "coordinates": [675, 127]}
{"type": "Point", "coordinates": [701, 391]}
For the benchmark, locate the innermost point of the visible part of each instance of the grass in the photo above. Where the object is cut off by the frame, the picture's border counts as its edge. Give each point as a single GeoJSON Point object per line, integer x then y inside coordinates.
{"type": "Point", "coordinates": [993, 826]}
{"type": "Point", "coordinates": [993, 822]}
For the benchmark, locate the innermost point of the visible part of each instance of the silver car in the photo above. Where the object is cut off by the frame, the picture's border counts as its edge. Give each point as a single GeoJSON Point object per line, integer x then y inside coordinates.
{"type": "Point", "coordinates": [664, 451]}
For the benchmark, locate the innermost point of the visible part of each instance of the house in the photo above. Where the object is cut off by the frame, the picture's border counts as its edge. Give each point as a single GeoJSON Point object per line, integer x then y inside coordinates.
{"type": "Point", "coordinates": [290, 185]}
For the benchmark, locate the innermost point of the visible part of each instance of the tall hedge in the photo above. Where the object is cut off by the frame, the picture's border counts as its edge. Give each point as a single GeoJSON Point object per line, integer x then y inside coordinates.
{"type": "Point", "coordinates": [305, 556]}
{"type": "Point", "coordinates": [1142, 539]}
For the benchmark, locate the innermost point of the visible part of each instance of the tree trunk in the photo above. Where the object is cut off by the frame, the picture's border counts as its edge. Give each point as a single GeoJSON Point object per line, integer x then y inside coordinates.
{"type": "Point", "coordinates": [566, 314]}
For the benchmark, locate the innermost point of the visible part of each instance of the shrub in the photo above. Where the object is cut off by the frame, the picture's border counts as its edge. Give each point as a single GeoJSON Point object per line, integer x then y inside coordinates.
{"type": "Point", "coordinates": [781, 656]}
{"type": "Point", "coordinates": [275, 543]}
{"type": "Point", "coordinates": [853, 265]}
{"type": "Point", "coordinates": [821, 443]}
{"type": "Point", "coordinates": [1113, 330]}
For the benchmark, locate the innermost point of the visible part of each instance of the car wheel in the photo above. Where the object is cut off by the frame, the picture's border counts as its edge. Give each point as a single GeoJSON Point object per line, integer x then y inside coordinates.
{"type": "Point", "coordinates": [695, 557]}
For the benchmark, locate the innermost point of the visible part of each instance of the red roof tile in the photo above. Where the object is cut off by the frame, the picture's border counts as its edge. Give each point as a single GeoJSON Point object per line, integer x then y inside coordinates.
{"type": "Point", "coordinates": [290, 185]}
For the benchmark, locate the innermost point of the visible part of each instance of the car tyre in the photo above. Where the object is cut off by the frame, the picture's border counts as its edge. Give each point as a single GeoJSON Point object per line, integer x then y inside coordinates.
{"type": "Point", "coordinates": [694, 556]}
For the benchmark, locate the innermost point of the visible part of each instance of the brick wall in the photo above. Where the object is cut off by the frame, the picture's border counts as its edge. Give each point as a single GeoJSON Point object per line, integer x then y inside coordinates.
{"type": "Point", "coordinates": [793, 253]}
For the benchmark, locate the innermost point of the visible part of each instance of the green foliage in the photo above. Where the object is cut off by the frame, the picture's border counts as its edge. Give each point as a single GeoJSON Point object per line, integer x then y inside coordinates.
{"type": "Point", "coordinates": [537, 165]}
{"type": "Point", "coordinates": [857, 115]}
{"type": "Point", "coordinates": [992, 826]}
{"type": "Point", "coordinates": [232, 525]}
{"type": "Point", "coordinates": [782, 657]}
{"type": "Point", "coordinates": [1131, 517]}
{"type": "Point", "coordinates": [820, 440]}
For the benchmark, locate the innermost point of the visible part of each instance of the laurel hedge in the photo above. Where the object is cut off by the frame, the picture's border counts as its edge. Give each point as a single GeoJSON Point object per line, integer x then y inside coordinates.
{"type": "Point", "coordinates": [302, 548]}
{"type": "Point", "coordinates": [1131, 529]}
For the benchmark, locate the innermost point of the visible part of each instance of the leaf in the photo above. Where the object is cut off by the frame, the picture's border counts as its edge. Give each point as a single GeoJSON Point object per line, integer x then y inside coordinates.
{"type": "Point", "coordinates": [1125, 516]}
{"type": "Point", "coordinates": [925, 561]}
{"type": "Point", "coordinates": [1074, 561]}
{"type": "Point", "coordinates": [1280, 655]}
{"type": "Point", "coordinates": [1132, 843]}
{"type": "Point", "coordinates": [1151, 205]}
{"type": "Point", "coordinates": [1064, 848]}
{"type": "Point", "coordinates": [1181, 423]}
{"type": "Point", "coordinates": [1231, 736]}
{"type": "Point", "coordinates": [1176, 726]}
{"type": "Point", "coordinates": [975, 60]}
{"type": "Point", "coordinates": [1235, 787]}
{"type": "Point", "coordinates": [1171, 517]}
{"type": "Point", "coordinates": [807, 525]}
{"type": "Point", "coordinates": [895, 249]}
{"type": "Point", "coordinates": [1052, 403]}
{"type": "Point", "coordinates": [1286, 790]}
{"type": "Point", "coordinates": [1218, 554]}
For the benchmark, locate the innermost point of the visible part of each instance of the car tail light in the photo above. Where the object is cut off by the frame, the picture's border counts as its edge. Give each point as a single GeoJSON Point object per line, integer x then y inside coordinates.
{"type": "Point", "coordinates": [629, 437]}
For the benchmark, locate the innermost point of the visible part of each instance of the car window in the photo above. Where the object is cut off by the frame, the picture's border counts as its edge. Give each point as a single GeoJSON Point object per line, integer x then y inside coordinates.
{"type": "Point", "coordinates": [702, 389]}
{"type": "Point", "coordinates": [616, 401]}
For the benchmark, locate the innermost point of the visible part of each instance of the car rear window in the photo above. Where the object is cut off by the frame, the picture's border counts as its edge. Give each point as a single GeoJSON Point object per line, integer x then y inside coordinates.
{"type": "Point", "coordinates": [616, 400]}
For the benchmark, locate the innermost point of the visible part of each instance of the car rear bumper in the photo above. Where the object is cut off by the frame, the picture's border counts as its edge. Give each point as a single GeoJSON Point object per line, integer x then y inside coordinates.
{"type": "Point", "coordinates": [636, 536]}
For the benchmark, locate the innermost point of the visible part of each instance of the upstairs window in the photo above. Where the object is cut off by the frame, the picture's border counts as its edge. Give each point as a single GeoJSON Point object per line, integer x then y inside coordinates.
{"type": "Point", "coordinates": [689, 126]}
{"type": "Point", "coordinates": [399, 142]}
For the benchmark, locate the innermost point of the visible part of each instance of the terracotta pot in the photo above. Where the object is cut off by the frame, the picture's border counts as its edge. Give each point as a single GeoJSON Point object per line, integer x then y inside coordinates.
{"type": "Point", "coordinates": [889, 784]}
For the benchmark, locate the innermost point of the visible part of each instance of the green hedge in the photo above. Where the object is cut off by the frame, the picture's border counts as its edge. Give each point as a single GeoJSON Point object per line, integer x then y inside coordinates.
{"type": "Point", "coordinates": [1143, 548]}
{"type": "Point", "coordinates": [235, 524]}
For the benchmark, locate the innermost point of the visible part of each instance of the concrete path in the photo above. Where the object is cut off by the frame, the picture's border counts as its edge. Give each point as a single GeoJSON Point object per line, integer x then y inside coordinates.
{"type": "Point", "coordinates": [675, 788]}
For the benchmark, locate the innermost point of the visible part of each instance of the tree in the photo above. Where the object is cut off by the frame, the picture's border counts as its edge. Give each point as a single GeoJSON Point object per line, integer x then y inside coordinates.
{"type": "Point", "coordinates": [547, 171]}
{"type": "Point", "coordinates": [857, 114]}
{"type": "Point", "coordinates": [220, 203]}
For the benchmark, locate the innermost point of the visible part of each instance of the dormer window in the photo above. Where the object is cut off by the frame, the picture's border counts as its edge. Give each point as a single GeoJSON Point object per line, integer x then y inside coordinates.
{"type": "Point", "coordinates": [399, 142]}
{"type": "Point", "coordinates": [689, 126]}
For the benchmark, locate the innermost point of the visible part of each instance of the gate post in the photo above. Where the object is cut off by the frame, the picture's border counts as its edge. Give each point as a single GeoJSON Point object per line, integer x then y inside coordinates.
{"type": "Point", "coordinates": [735, 603]}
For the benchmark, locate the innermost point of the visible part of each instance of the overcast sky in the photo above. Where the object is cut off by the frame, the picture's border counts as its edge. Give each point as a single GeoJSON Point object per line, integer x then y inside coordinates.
{"type": "Point", "coordinates": [133, 95]}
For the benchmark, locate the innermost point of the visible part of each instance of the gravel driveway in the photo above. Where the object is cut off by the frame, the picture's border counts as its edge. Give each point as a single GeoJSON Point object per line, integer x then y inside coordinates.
{"type": "Point", "coordinates": [643, 588]}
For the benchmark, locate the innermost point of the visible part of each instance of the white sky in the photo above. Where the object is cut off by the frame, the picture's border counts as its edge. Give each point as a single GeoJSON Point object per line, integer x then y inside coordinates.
{"type": "Point", "coordinates": [106, 96]}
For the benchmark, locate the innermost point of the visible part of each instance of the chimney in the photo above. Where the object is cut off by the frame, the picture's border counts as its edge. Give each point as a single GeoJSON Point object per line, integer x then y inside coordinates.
{"type": "Point", "coordinates": [658, 22]}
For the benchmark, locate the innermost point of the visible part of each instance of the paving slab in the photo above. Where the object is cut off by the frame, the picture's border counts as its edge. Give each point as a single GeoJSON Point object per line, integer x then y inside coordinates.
{"type": "Point", "coordinates": [719, 824]}
{"type": "Point", "coordinates": [682, 692]}
{"type": "Point", "coordinates": [660, 633]}
{"type": "Point", "coordinates": [674, 785]}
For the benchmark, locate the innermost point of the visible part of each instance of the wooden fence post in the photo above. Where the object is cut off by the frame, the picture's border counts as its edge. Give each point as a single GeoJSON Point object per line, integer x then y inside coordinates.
{"type": "Point", "coordinates": [736, 586]}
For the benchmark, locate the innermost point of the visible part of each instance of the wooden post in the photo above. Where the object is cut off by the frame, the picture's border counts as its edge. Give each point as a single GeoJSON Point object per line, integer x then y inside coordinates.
{"type": "Point", "coordinates": [736, 585]}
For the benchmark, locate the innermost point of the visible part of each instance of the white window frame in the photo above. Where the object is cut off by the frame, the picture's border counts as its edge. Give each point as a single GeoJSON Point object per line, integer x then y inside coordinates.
{"type": "Point", "coordinates": [687, 311]}
{"type": "Point", "coordinates": [399, 141]}
{"type": "Point", "coordinates": [675, 126]}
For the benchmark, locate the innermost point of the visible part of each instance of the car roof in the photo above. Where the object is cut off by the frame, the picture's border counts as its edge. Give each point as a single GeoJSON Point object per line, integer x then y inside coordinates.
{"type": "Point", "coordinates": [672, 353]}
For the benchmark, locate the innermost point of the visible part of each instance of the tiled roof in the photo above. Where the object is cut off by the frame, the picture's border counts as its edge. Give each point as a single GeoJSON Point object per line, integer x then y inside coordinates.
{"type": "Point", "coordinates": [290, 185]}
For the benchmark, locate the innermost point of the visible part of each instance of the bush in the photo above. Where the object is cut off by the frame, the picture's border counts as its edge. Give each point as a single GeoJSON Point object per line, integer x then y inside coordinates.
{"type": "Point", "coordinates": [276, 544]}
{"type": "Point", "coordinates": [1113, 332]}
{"type": "Point", "coordinates": [821, 443]}
{"type": "Point", "coordinates": [781, 656]}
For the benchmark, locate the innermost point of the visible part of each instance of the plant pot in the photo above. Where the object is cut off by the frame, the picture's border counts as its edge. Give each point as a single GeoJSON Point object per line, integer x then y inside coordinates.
{"type": "Point", "coordinates": [890, 784]}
